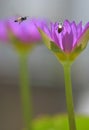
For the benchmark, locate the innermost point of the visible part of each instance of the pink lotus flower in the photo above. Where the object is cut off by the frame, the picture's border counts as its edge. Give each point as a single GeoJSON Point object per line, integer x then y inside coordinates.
{"type": "Point", "coordinates": [68, 42]}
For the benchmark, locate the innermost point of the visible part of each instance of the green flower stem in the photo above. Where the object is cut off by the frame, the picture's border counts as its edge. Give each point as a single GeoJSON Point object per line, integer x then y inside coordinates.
{"type": "Point", "coordinates": [25, 92]}
{"type": "Point", "coordinates": [69, 96]}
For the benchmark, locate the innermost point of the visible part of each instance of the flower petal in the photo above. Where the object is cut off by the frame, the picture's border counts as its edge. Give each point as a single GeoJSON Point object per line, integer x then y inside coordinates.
{"type": "Point", "coordinates": [84, 38]}
{"type": "Point", "coordinates": [79, 29]}
{"type": "Point", "coordinates": [67, 42]}
{"type": "Point", "coordinates": [74, 31]}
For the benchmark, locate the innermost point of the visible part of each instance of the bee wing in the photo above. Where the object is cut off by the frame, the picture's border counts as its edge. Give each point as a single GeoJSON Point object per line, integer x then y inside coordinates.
{"type": "Point", "coordinates": [17, 18]}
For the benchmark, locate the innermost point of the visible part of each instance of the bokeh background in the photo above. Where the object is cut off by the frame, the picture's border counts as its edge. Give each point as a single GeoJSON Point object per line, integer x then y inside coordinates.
{"type": "Point", "coordinates": [46, 74]}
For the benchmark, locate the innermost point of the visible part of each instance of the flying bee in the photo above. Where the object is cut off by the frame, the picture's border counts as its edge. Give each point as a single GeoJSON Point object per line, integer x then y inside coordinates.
{"type": "Point", "coordinates": [20, 19]}
{"type": "Point", "coordinates": [60, 28]}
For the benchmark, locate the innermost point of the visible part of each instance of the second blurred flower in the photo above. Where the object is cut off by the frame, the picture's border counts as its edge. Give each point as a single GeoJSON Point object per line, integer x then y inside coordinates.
{"type": "Point", "coordinates": [23, 36]}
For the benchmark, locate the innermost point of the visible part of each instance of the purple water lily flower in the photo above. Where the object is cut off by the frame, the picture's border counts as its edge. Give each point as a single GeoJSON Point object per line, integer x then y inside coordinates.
{"type": "Point", "coordinates": [25, 31]}
{"type": "Point", "coordinates": [23, 34]}
{"type": "Point", "coordinates": [66, 42]}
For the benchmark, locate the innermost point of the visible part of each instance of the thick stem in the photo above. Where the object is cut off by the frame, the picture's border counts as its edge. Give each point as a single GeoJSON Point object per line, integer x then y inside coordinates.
{"type": "Point", "coordinates": [69, 96]}
{"type": "Point", "coordinates": [25, 92]}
